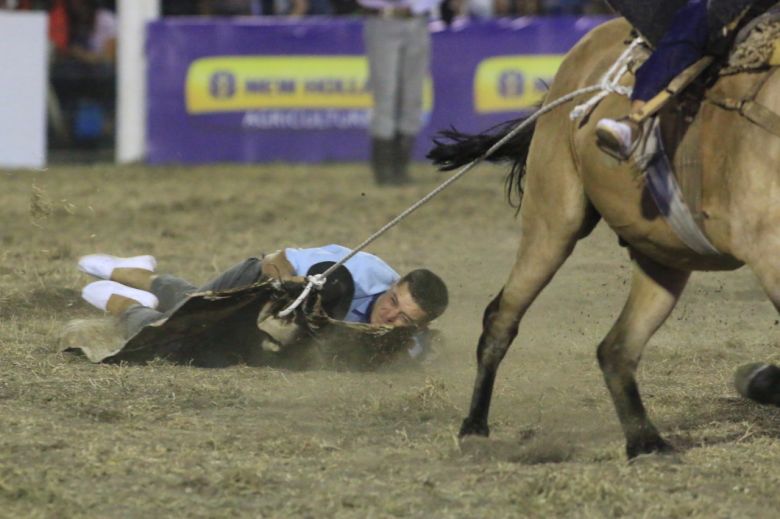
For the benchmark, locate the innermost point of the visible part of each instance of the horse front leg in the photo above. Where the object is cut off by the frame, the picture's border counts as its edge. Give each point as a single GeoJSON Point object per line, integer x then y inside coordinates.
{"type": "Point", "coordinates": [655, 290]}
{"type": "Point", "coordinates": [546, 242]}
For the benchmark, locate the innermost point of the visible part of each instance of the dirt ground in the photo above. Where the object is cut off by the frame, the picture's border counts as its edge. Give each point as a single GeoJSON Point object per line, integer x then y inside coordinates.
{"type": "Point", "coordinates": [84, 440]}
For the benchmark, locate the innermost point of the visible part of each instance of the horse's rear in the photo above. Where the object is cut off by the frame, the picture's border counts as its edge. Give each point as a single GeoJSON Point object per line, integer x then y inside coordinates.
{"type": "Point", "coordinates": [570, 183]}
{"type": "Point", "coordinates": [740, 179]}
{"type": "Point", "coordinates": [731, 170]}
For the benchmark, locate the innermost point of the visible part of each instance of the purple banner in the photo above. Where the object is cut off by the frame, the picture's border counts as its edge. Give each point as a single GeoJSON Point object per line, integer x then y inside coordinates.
{"type": "Point", "coordinates": [260, 89]}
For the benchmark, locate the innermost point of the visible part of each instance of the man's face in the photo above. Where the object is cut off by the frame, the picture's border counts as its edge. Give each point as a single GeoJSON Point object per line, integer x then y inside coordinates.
{"type": "Point", "coordinates": [396, 307]}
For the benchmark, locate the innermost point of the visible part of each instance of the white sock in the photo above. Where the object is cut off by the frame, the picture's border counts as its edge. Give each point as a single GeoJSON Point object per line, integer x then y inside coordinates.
{"type": "Point", "coordinates": [98, 293]}
{"type": "Point", "coordinates": [102, 265]}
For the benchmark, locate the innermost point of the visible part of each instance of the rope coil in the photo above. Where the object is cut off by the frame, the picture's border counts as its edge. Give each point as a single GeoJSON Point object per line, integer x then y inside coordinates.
{"type": "Point", "coordinates": [610, 82]}
{"type": "Point", "coordinates": [316, 281]}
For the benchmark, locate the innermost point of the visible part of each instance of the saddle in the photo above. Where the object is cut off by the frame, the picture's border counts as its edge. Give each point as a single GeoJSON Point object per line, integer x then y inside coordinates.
{"type": "Point", "coordinates": [651, 19]}
{"type": "Point", "coordinates": [757, 44]}
{"type": "Point", "coordinates": [669, 151]}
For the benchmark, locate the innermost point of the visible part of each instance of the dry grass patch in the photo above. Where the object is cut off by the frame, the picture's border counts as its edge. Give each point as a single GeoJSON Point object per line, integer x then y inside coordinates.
{"type": "Point", "coordinates": [84, 440]}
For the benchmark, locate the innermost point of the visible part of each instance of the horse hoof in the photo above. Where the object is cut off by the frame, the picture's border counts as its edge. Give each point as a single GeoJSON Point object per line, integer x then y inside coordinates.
{"type": "Point", "coordinates": [759, 382]}
{"type": "Point", "coordinates": [473, 428]}
{"type": "Point", "coordinates": [650, 445]}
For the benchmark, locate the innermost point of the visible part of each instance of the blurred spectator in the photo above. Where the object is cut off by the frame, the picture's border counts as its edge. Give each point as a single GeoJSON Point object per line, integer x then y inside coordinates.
{"type": "Point", "coordinates": [83, 71]}
{"type": "Point", "coordinates": [451, 9]}
{"type": "Point", "coordinates": [181, 7]}
{"type": "Point", "coordinates": [484, 8]}
{"type": "Point", "coordinates": [25, 5]}
{"type": "Point", "coordinates": [92, 33]}
{"type": "Point", "coordinates": [558, 7]}
{"type": "Point", "coordinates": [263, 7]}
{"type": "Point", "coordinates": [344, 7]}
{"type": "Point", "coordinates": [479, 8]}
{"type": "Point", "coordinates": [319, 8]}
{"type": "Point", "coordinates": [301, 7]}
{"type": "Point", "coordinates": [577, 7]}
{"type": "Point", "coordinates": [59, 32]}
{"type": "Point", "coordinates": [230, 7]}
{"type": "Point", "coordinates": [518, 7]}
{"type": "Point", "coordinates": [597, 7]}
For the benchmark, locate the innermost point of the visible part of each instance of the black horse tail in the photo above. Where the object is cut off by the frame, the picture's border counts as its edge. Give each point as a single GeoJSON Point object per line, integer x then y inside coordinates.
{"type": "Point", "coordinates": [453, 149]}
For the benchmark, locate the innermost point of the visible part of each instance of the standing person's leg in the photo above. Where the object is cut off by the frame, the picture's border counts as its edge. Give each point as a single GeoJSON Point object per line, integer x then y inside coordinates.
{"type": "Point", "coordinates": [383, 41]}
{"type": "Point", "coordinates": [415, 66]}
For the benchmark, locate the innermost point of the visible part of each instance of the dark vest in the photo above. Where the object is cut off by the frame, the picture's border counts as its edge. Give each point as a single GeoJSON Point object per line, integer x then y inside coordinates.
{"type": "Point", "coordinates": [651, 19]}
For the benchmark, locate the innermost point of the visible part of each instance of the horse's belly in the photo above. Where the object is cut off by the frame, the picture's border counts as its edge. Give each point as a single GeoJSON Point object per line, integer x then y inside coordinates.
{"type": "Point", "coordinates": [620, 195]}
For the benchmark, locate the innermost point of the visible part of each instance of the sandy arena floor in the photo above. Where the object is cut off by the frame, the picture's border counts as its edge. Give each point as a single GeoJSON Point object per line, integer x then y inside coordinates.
{"type": "Point", "coordinates": [83, 440]}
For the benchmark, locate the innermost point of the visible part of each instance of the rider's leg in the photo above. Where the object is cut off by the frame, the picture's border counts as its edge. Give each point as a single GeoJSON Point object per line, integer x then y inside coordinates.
{"type": "Point", "coordinates": [683, 44]}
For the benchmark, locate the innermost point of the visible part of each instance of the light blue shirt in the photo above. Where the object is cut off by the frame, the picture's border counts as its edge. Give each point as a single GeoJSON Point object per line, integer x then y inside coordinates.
{"type": "Point", "coordinates": [371, 275]}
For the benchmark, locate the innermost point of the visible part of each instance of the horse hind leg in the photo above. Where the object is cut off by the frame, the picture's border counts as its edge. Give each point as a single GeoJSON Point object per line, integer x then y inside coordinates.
{"type": "Point", "coordinates": [760, 381]}
{"type": "Point", "coordinates": [654, 292]}
{"type": "Point", "coordinates": [548, 237]}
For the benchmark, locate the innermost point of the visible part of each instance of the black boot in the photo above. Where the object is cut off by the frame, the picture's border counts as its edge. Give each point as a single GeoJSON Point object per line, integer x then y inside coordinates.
{"type": "Point", "coordinates": [382, 157]}
{"type": "Point", "coordinates": [760, 382]}
{"type": "Point", "coordinates": [403, 154]}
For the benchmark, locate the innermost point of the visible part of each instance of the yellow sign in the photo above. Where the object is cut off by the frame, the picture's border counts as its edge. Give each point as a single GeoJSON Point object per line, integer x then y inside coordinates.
{"type": "Point", "coordinates": [241, 83]}
{"type": "Point", "coordinates": [513, 83]}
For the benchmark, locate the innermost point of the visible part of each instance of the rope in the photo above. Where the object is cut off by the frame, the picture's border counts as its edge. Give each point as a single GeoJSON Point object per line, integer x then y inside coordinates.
{"type": "Point", "coordinates": [609, 83]}
{"type": "Point", "coordinates": [317, 280]}
{"type": "Point", "coordinates": [605, 87]}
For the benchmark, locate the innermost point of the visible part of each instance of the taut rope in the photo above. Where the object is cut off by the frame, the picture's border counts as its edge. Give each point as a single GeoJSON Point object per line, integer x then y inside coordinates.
{"type": "Point", "coordinates": [608, 84]}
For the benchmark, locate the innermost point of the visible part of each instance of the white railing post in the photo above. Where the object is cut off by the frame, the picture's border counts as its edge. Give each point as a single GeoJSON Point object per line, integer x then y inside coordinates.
{"type": "Point", "coordinates": [131, 77]}
{"type": "Point", "coordinates": [23, 85]}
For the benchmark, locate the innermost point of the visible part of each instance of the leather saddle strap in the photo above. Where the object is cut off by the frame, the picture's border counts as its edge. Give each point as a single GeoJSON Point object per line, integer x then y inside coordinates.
{"type": "Point", "coordinates": [689, 168]}
{"type": "Point", "coordinates": [752, 110]}
{"type": "Point", "coordinates": [677, 85]}
{"type": "Point", "coordinates": [761, 116]}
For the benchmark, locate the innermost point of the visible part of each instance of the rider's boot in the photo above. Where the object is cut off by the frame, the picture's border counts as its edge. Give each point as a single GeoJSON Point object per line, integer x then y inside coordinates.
{"type": "Point", "coordinates": [619, 137]}
{"type": "Point", "coordinates": [760, 382]}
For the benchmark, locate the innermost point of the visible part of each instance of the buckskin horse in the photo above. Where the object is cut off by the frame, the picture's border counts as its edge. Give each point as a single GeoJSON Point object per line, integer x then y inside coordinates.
{"type": "Point", "coordinates": [569, 184]}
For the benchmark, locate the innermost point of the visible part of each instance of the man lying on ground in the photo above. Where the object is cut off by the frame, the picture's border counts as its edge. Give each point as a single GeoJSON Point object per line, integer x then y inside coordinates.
{"type": "Point", "coordinates": [364, 290]}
